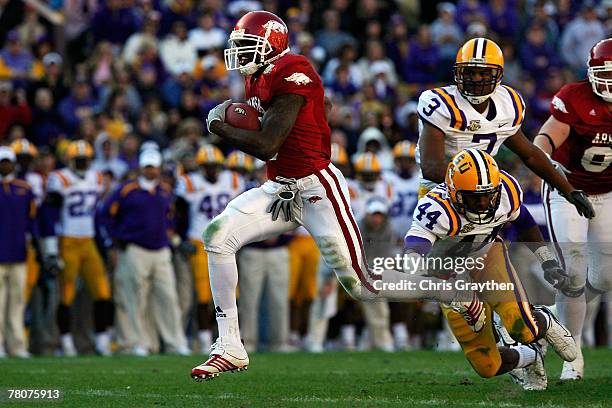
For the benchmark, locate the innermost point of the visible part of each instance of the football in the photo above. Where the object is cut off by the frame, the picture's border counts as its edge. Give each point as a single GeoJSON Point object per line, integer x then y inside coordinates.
{"type": "Point", "coordinates": [242, 116]}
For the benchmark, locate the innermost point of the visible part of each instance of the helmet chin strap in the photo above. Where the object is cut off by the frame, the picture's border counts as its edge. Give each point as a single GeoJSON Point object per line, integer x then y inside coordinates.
{"type": "Point", "coordinates": [252, 67]}
{"type": "Point", "coordinates": [477, 100]}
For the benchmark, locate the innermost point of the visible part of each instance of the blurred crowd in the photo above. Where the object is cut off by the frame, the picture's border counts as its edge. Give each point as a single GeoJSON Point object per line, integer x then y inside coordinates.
{"type": "Point", "coordinates": [128, 76]}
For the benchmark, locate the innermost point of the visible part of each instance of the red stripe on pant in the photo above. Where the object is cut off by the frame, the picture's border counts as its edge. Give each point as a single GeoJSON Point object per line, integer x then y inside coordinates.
{"type": "Point", "coordinates": [350, 216]}
{"type": "Point", "coordinates": [347, 237]}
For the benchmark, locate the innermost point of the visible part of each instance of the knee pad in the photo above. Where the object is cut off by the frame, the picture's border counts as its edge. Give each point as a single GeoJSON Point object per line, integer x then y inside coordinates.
{"type": "Point", "coordinates": [485, 361]}
{"type": "Point", "coordinates": [216, 236]}
{"type": "Point", "coordinates": [334, 252]}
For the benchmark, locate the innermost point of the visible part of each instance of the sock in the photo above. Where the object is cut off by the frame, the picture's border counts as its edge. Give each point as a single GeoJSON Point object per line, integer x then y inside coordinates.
{"type": "Point", "coordinates": [347, 333]}
{"type": "Point", "coordinates": [572, 312]}
{"type": "Point", "coordinates": [67, 342]}
{"type": "Point", "coordinates": [400, 334]}
{"type": "Point", "coordinates": [527, 355]}
{"type": "Point", "coordinates": [223, 274]}
{"type": "Point", "coordinates": [103, 342]}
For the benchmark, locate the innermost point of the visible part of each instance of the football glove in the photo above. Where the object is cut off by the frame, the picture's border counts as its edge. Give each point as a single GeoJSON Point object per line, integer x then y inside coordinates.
{"type": "Point", "coordinates": [187, 248]}
{"type": "Point", "coordinates": [52, 264]}
{"type": "Point", "coordinates": [580, 200]}
{"type": "Point", "coordinates": [288, 201]}
{"type": "Point", "coordinates": [554, 274]}
{"type": "Point", "coordinates": [217, 113]}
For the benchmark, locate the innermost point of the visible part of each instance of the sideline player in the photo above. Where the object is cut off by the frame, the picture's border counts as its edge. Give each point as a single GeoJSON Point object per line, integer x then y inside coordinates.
{"type": "Point", "coordinates": [201, 195]}
{"type": "Point", "coordinates": [467, 212]}
{"type": "Point", "coordinates": [405, 182]}
{"type": "Point", "coordinates": [479, 113]}
{"type": "Point", "coordinates": [68, 213]}
{"type": "Point", "coordinates": [303, 187]}
{"type": "Point", "coordinates": [578, 135]}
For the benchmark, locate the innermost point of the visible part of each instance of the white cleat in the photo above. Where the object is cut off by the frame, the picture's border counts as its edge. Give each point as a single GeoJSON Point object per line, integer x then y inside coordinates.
{"type": "Point", "coordinates": [224, 356]}
{"type": "Point", "coordinates": [473, 312]}
{"type": "Point", "coordinates": [558, 336]}
{"type": "Point", "coordinates": [535, 374]}
{"type": "Point", "coordinates": [573, 370]}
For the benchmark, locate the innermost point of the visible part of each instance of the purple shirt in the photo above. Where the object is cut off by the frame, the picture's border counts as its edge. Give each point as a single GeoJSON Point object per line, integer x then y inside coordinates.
{"type": "Point", "coordinates": [137, 216]}
{"type": "Point", "coordinates": [17, 212]}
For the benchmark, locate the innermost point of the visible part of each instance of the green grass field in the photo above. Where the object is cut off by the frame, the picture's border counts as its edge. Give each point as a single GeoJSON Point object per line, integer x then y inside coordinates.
{"type": "Point", "coordinates": [373, 379]}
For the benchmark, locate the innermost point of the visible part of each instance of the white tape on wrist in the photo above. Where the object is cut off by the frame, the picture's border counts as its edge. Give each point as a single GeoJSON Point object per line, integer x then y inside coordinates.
{"type": "Point", "coordinates": [544, 254]}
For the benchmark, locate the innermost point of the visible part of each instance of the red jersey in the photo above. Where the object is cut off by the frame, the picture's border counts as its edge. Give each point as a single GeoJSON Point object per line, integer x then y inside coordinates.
{"type": "Point", "coordinates": [587, 152]}
{"type": "Point", "coordinates": [308, 146]}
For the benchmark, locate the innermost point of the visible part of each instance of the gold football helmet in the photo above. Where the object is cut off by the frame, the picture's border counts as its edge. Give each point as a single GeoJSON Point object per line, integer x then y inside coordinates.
{"type": "Point", "coordinates": [473, 185]}
{"type": "Point", "coordinates": [479, 69]}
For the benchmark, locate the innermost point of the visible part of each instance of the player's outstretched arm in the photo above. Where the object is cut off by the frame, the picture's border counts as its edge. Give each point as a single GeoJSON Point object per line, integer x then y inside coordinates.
{"type": "Point", "coordinates": [275, 127]}
{"type": "Point", "coordinates": [539, 163]}
{"type": "Point", "coordinates": [552, 135]}
{"type": "Point", "coordinates": [433, 161]}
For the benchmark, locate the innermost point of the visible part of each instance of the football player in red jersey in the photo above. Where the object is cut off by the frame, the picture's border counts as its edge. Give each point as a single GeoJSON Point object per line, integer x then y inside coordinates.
{"type": "Point", "coordinates": [578, 136]}
{"type": "Point", "coordinates": [304, 188]}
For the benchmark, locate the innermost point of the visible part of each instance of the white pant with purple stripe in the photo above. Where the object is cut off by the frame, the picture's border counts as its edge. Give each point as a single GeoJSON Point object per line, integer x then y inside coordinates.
{"type": "Point", "coordinates": [326, 215]}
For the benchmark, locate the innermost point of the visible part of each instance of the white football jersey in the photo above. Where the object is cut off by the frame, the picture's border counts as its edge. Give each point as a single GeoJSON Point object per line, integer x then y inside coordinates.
{"type": "Point", "coordinates": [405, 197]}
{"type": "Point", "coordinates": [360, 195]}
{"type": "Point", "coordinates": [81, 197]}
{"type": "Point", "coordinates": [436, 219]}
{"type": "Point", "coordinates": [36, 181]}
{"type": "Point", "coordinates": [207, 200]}
{"type": "Point", "coordinates": [464, 127]}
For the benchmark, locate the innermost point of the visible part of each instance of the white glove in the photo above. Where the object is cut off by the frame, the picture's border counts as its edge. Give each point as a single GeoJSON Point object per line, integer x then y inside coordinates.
{"type": "Point", "coordinates": [217, 113]}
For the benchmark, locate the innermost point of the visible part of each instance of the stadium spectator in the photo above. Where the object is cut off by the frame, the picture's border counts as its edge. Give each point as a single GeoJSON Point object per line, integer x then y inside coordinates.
{"type": "Point", "coordinates": [206, 35]}
{"type": "Point", "coordinates": [46, 123]}
{"type": "Point", "coordinates": [469, 12]}
{"type": "Point", "coordinates": [52, 77]}
{"type": "Point", "coordinates": [375, 53]}
{"type": "Point", "coordinates": [17, 213]}
{"type": "Point", "coordinates": [107, 157]}
{"type": "Point", "coordinates": [147, 34]}
{"type": "Point", "coordinates": [177, 52]}
{"type": "Point", "coordinates": [536, 56]}
{"type": "Point", "coordinates": [12, 113]}
{"type": "Point", "coordinates": [331, 38]}
{"type": "Point", "coordinates": [420, 64]}
{"type": "Point", "coordinates": [15, 59]}
{"type": "Point", "coordinates": [447, 34]}
{"type": "Point", "coordinates": [138, 217]}
{"type": "Point", "coordinates": [31, 29]}
{"type": "Point", "coordinates": [77, 106]}
{"type": "Point", "coordinates": [114, 22]}
{"type": "Point", "coordinates": [579, 37]}
{"type": "Point", "coordinates": [503, 18]}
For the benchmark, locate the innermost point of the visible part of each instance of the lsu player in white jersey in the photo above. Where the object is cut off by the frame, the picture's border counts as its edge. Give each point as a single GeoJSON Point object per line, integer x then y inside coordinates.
{"type": "Point", "coordinates": [404, 180]}
{"type": "Point", "coordinates": [202, 195]}
{"type": "Point", "coordinates": [26, 153]}
{"type": "Point", "coordinates": [468, 211]}
{"type": "Point", "coordinates": [481, 113]}
{"type": "Point", "coordinates": [368, 183]}
{"type": "Point", "coordinates": [69, 242]}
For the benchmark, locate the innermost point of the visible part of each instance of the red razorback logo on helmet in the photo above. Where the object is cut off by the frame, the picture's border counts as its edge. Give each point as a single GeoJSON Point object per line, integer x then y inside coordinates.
{"type": "Point", "coordinates": [314, 199]}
